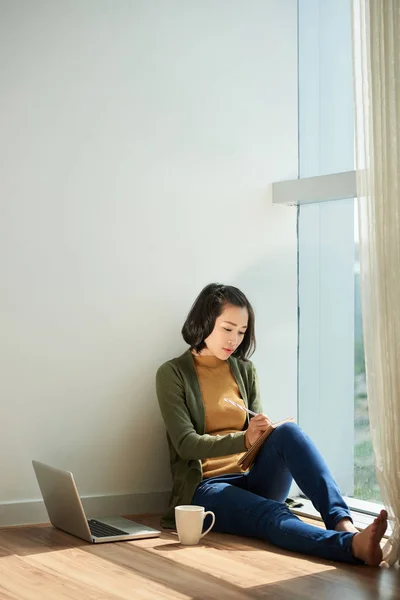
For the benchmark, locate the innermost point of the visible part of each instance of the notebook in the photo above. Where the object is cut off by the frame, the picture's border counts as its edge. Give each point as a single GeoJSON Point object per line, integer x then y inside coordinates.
{"type": "Point", "coordinates": [248, 458]}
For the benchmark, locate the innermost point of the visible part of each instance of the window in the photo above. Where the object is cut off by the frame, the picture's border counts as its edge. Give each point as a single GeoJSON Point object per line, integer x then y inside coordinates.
{"type": "Point", "coordinates": [332, 404]}
{"type": "Point", "coordinates": [326, 236]}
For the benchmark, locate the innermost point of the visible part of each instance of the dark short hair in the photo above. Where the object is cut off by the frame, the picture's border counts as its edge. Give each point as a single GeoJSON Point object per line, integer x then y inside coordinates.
{"type": "Point", "coordinates": [209, 305]}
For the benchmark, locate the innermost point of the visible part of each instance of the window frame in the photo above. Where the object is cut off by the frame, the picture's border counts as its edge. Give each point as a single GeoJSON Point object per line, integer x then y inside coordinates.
{"type": "Point", "coordinates": [326, 180]}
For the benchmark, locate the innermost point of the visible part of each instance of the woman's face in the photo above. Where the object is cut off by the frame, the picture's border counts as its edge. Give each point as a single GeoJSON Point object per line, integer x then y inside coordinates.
{"type": "Point", "coordinates": [228, 332]}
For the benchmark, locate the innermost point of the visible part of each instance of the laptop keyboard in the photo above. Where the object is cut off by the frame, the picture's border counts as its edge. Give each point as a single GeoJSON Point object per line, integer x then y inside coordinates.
{"type": "Point", "coordinates": [102, 530]}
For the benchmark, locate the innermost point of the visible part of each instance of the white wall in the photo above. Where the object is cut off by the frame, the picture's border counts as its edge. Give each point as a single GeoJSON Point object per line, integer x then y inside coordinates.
{"type": "Point", "coordinates": [138, 144]}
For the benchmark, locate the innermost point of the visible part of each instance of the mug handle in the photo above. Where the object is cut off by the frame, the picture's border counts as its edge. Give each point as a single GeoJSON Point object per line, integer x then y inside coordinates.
{"type": "Point", "coordinates": [209, 512]}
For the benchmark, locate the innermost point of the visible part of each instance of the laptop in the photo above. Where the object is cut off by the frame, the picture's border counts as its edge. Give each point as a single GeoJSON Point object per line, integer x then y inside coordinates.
{"type": "Point", "coordinates": [66, 512]}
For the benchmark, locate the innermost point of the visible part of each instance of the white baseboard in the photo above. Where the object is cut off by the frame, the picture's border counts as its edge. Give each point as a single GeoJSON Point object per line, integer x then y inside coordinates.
{"type": "Point", "coordinates": [31, 512]}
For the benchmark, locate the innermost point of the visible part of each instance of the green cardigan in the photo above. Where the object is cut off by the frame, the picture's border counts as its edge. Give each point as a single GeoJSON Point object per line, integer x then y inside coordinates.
{"type": "Point", "coordinates": [182, 408]}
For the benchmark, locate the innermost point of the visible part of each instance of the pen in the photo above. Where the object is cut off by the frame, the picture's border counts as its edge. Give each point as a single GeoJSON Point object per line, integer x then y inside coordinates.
{"type": "Point", "coordinates": [241, 407]}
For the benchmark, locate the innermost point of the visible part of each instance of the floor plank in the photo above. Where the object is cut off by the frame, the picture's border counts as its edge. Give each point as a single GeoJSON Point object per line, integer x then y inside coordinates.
{"type": "Point", "coordinates": [42, 563]}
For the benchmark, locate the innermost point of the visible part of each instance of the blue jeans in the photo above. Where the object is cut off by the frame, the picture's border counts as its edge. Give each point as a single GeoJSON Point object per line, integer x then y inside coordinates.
{"type": "Point", "coordinates": [252, 504]}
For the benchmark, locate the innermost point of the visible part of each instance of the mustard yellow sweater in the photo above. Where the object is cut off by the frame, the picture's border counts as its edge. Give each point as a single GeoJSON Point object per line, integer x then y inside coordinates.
{"type": "Point", "coordinates": [216, 383]}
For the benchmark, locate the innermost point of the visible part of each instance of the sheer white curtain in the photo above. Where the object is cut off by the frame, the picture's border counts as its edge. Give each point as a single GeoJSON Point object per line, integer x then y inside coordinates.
{"type": "Point", "coordinates": [376, 31]}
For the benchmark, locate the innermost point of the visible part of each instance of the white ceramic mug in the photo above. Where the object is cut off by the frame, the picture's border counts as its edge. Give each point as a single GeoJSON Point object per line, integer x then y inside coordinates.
{"type": "Point", "coordinates": [189, 523]}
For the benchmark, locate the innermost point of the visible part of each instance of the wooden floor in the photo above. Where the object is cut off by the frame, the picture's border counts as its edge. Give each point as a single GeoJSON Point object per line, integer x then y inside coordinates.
{"type": "Point", "coordinates": [42, 563]}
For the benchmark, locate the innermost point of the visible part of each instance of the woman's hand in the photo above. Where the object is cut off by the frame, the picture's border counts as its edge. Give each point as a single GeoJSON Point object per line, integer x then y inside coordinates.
{"type": "Point", "coordinates": [256, 428]}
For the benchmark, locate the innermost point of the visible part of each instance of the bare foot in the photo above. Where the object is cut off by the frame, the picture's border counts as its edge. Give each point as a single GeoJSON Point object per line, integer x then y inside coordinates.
{"type": "Point", "coordinates": [366, 545]}
{"type": "Point", "coordinates": [346, 524]}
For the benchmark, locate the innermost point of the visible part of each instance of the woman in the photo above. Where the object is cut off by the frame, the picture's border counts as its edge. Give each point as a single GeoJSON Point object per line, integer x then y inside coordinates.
{"type": "Point", "coordinates": [207, 435]}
